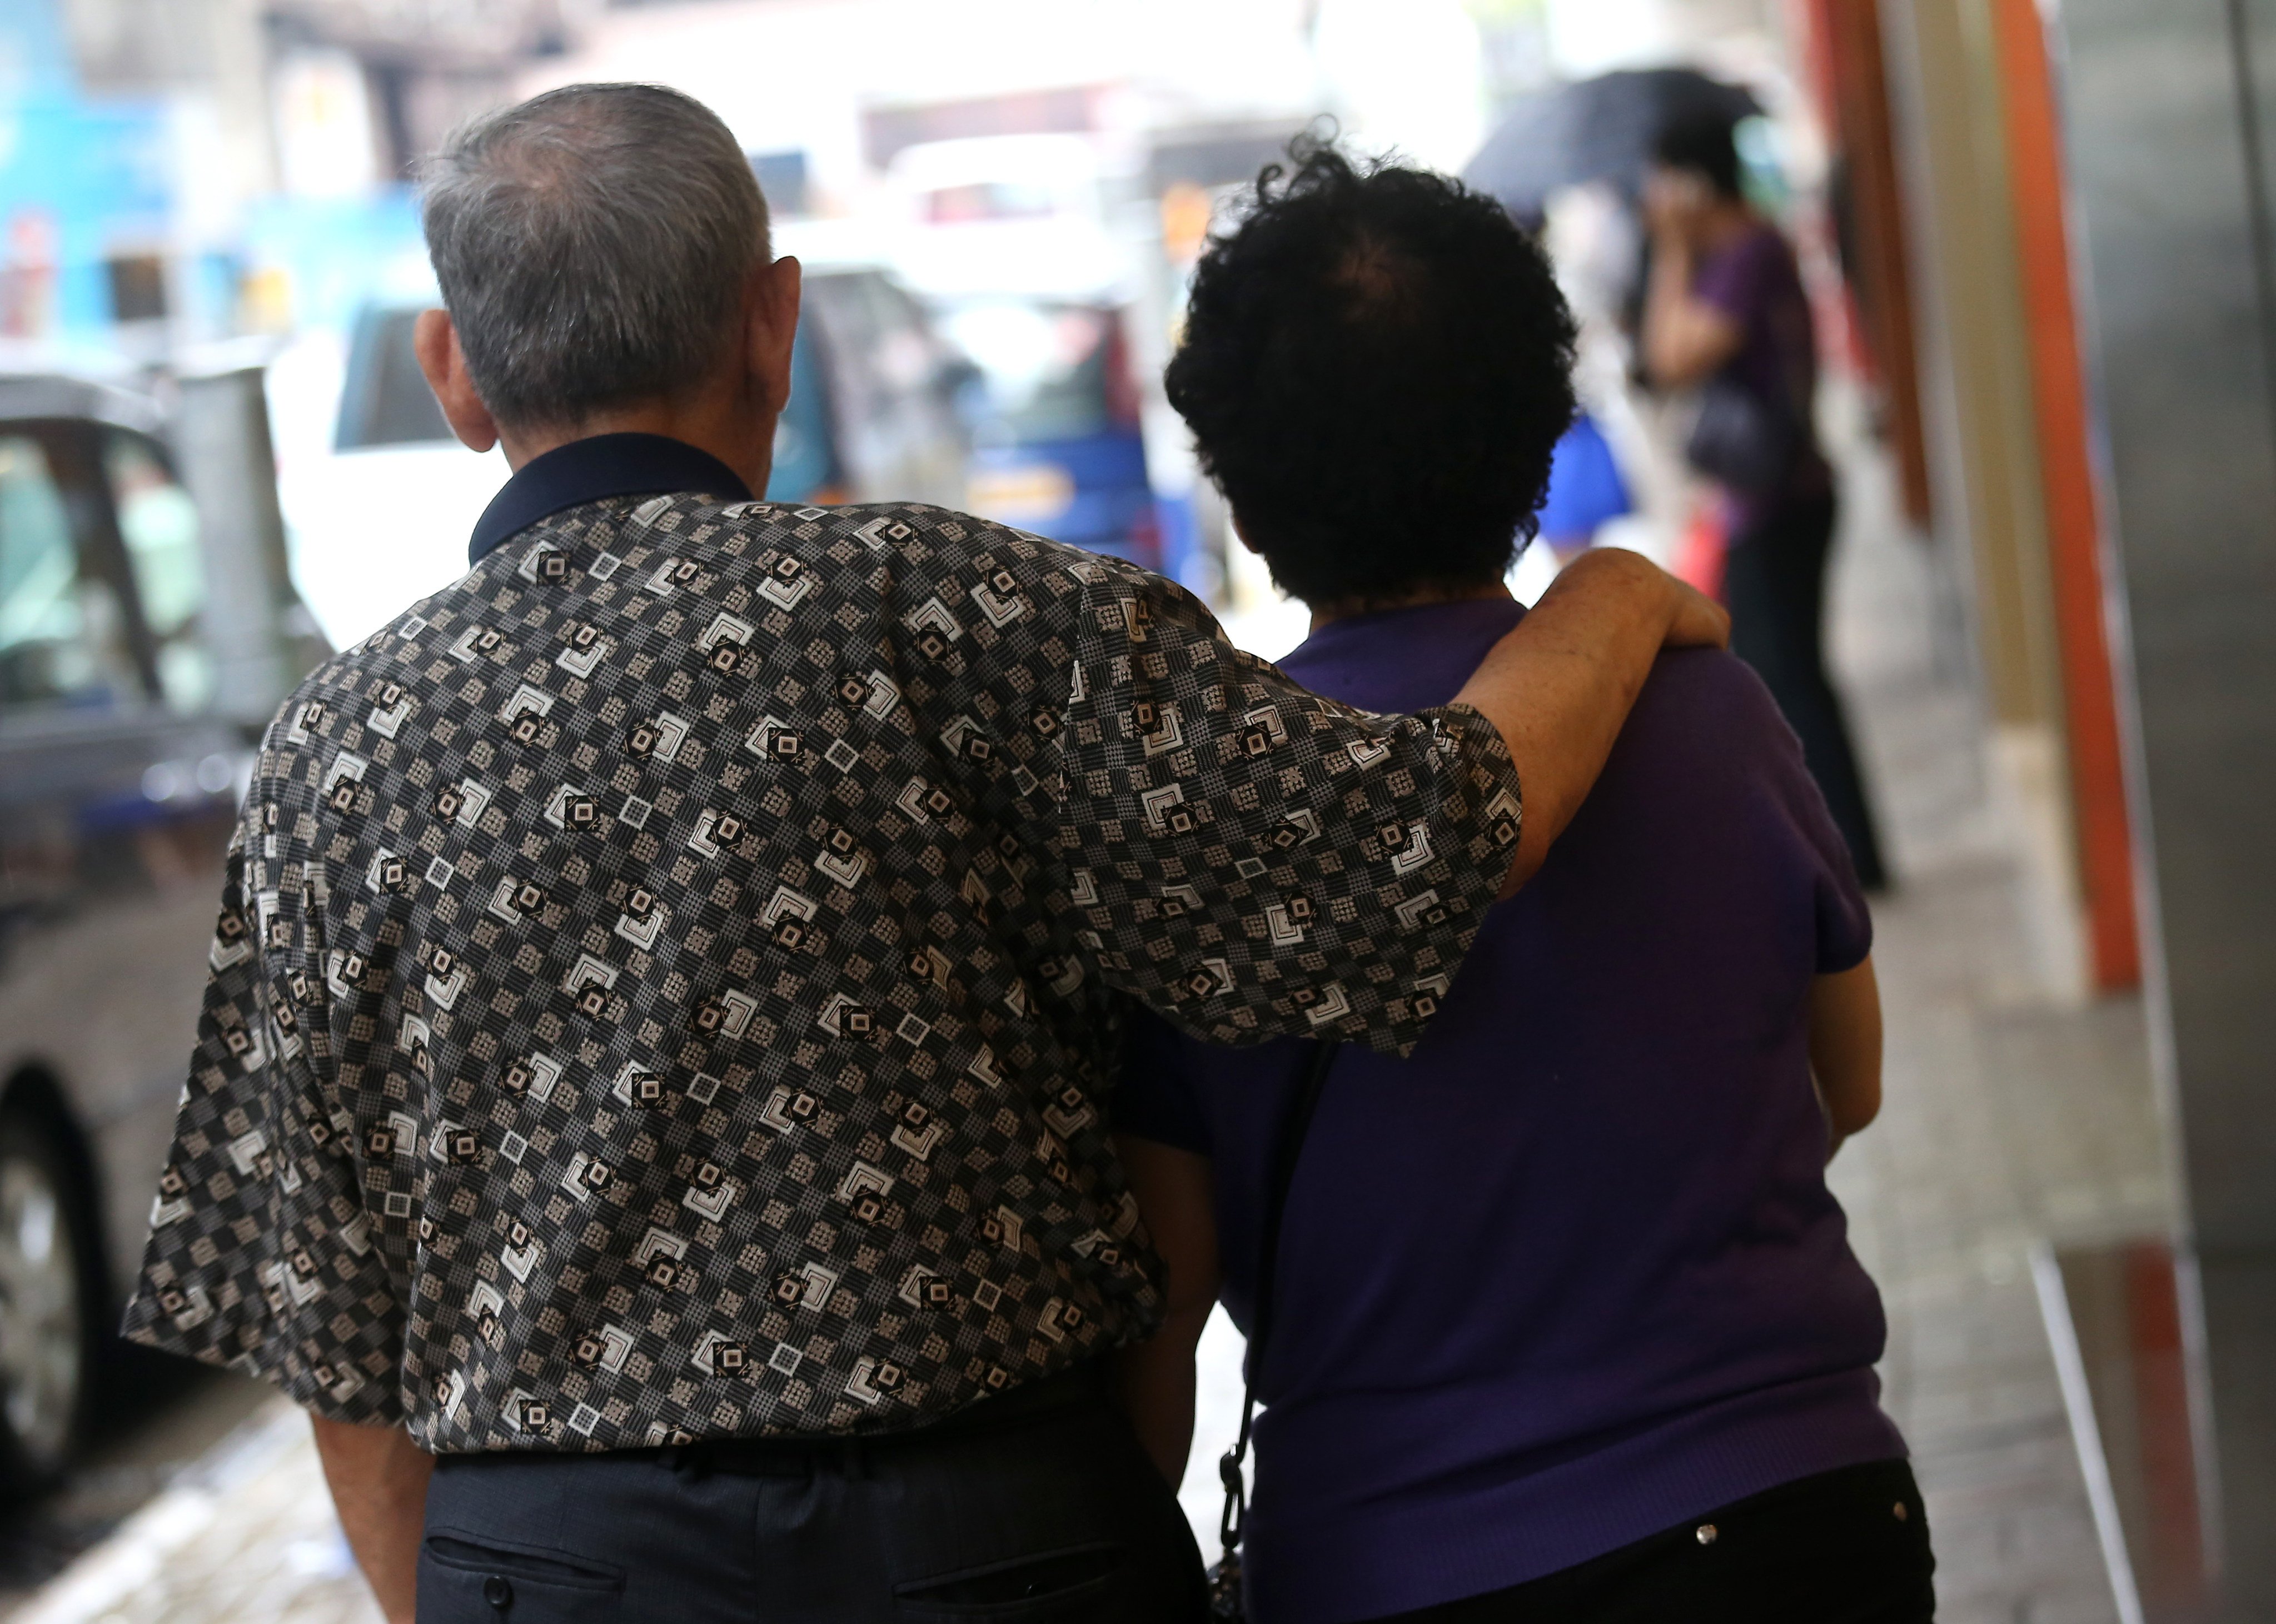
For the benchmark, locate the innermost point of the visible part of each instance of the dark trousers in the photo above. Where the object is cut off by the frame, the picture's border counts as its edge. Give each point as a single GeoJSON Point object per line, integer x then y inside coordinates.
{"type": "Point", "coordinates": [1844, 1547]}
{"type": "Point", "coordinates": [1774, 585]}
{"type": "Point", "coordinates": [1045, 1510]}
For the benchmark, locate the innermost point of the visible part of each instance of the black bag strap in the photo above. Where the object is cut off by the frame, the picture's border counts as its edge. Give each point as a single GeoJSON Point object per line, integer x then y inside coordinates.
{"type": "Point", "coordinates": [1292, 1129]}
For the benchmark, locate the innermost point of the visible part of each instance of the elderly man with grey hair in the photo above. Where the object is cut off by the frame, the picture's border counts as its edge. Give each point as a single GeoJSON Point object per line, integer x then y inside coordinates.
{"type": "Point", "coordinates": [648, 1105]}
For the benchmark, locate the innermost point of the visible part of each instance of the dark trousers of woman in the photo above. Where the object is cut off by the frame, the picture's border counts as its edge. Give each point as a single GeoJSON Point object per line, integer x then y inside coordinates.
{"type": "Point", "coordinates": [1037, 1506]}
{"type": "Point", "coordinates": [1774, 585]}
{"type": "Point", "coordinates": [1844, 1547]}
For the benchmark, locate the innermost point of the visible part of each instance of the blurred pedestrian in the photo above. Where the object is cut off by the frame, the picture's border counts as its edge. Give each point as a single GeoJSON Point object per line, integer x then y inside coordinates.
{"type": "Point", "coordinates": [648, 1102]}
{"type": "Point", "coordinates": [1726, 314]}
{"type": "Point", "coordinates": [1587, 491]}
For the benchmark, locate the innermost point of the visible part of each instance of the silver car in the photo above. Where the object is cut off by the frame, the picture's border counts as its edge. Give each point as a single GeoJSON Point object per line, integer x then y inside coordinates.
{"type": "Point", "coordinates": [147, 628]}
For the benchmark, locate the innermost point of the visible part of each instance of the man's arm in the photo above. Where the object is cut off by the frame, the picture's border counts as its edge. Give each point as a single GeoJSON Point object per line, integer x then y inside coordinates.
{"type": "Point", "coordinates": [1253, 860]}
{"type": "Point", "coordinates": [378, 1478]}
{"type": "Point", "coordinates": [1560, 687]}
{"type": "Point", "coordinates": [1845, 1048]}
{"type": "Point", "coordinates": [1154, 1378]}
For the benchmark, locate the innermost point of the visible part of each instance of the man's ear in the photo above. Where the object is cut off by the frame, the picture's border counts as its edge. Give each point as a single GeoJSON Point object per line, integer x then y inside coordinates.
{"type": "Point", "coordinates": [435, 343]}
{"type": "Point", "coordinates": [770, 330]}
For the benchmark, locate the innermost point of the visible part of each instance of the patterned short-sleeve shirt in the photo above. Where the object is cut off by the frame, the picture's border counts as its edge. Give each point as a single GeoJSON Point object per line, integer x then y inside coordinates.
{"type": "Point", "coordinates": [666, 984]}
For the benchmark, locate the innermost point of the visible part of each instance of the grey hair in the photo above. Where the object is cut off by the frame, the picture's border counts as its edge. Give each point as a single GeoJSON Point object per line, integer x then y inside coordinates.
{"type": "Point", "coordinates": [592, 244]}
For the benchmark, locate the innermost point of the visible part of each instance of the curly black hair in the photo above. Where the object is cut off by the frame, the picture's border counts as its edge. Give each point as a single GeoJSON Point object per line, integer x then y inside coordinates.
{"type": "Point", "coordinates": [1376, 366]}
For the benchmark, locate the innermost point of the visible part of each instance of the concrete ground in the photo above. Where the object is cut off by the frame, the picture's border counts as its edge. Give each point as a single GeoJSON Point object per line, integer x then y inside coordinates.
{"type": "Point", "coordinates": [2010, 1118]}
{"type": "Point", "coordinates": [245, 1535]}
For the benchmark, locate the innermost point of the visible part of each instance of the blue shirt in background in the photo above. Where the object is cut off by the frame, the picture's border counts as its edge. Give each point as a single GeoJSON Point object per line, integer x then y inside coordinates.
{"type": "Point", "coordinates": [1570, 1273]}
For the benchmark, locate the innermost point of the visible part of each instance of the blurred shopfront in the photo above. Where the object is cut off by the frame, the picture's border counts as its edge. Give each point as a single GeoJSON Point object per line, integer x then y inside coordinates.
{"type": "Point", "coordinates": [2066, 280]}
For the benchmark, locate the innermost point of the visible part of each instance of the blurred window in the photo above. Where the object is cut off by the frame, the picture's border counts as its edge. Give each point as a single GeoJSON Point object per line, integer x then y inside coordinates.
{"type": "Point", "coordinates": [783, 182]}
{"type": "Point", "coordinates": [159, 524]}
{"type": "Point", "coordinates": [63, 634]}
{"type": "Point", "coordinates": [989, 200]}
{"type": "Point", "coordinates": [1046, 370]}
{"type": "Point", "coordinates": [138, 288]}
{"type": "Point", "coordinates": [386, 400]}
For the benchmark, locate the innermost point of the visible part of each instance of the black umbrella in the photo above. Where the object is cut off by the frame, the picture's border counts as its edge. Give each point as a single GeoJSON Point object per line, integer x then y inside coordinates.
{"type": "Point", "coordinates": [1599, 129]}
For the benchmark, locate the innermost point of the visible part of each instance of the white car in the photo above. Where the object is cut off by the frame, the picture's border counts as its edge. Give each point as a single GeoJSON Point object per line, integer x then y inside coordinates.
{"type": "Point", "coordinates": [378, 498]}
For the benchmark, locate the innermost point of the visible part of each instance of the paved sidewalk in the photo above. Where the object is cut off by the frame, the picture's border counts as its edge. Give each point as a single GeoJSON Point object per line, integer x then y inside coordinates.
{"type": "Point", "coordinates": [248, 1537]}
{"type": "Point", "coordinates": [2008, 1120]}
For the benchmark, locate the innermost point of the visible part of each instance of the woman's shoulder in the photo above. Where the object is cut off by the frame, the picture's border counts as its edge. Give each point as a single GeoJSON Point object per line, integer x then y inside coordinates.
{"type": "Point", "coordinates": [1711, 685]}
{"type": "Point", "coordinates": [1706, 715]}
{"type": "Point", "coordinates": [1706, 731]}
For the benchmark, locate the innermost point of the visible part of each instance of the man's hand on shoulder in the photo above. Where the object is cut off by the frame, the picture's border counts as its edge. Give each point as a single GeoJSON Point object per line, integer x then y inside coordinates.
{"type": "Point", "coordinates": [1693, 619]}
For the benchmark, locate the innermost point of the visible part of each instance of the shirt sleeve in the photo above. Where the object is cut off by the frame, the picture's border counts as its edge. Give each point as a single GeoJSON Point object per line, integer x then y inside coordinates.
{"type": "Point", "coordinates": [1845, 924]}
{"type": "Point", "coordinates": [1843, 920]}
{"type": "Point", "coordinates": [1732, 279]}
{"type": "Point", "coordinates": [1253, 860]}
{"type": "Point", "coordinates": [1155, 1098]}
{"type": "Point", "coordinates": [262, 1254]}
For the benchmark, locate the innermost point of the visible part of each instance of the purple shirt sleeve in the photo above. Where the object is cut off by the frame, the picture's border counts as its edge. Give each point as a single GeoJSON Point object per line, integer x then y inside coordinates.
{"type": "Point", "coordinates": [1736, 278]}
{"type": "Point", "coordinates": [1155, 1098]}
{"type": "Point", "coordinates": [1844, 922]}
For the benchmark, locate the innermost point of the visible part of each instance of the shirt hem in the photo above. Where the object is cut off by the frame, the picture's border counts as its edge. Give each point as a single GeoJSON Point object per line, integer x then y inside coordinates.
{"type": "Point", "coordinates": [1338, 1569]}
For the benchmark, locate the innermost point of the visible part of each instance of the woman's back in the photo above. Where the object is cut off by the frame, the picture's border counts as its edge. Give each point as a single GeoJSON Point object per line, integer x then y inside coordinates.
{"type": "Point", "coordinates": [1571, 1273]}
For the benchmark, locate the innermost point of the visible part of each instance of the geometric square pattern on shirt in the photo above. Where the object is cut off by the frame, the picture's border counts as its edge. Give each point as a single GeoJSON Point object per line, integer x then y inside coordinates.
{"type": "Point", "coordinates": [667, 985]}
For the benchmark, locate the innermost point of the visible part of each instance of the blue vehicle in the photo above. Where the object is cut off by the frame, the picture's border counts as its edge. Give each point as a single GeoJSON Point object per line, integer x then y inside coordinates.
{"type": "Point", "coordinates": [872, 415]}
{"type": "Point", "coordinates": [1054, 411]}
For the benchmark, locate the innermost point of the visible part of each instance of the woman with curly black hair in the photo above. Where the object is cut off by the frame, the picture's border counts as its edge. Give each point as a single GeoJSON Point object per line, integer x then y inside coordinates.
{"type": "Point", "coordinates": [1564, 1322]}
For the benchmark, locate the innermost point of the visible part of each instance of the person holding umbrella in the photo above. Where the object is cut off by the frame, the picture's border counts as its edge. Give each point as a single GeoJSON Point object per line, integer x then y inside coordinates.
{"type": "Point", "coordinates": [1725, 313]}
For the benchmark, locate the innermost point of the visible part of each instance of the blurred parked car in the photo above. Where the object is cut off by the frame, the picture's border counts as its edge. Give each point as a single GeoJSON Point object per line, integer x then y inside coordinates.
{"type": "Point", "coordinates": [139, 643]}
{"type": "Point", "coordinates": [873, 413]}
{"type": "Point", "coordinates": [1012, 240]}
{"type": "Point", "coordinates": [378, 497]}
{"type": "Point", "coordinates": [1023, 214]}
{"type": "Point", "coordinates": [1054, 407]}
{"type": "Point", "coordinates": [380, 517]}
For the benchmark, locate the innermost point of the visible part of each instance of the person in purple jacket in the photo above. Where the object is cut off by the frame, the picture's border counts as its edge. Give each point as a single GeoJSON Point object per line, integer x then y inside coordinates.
{"type": "Point", "coordinates": [1567, 1326]}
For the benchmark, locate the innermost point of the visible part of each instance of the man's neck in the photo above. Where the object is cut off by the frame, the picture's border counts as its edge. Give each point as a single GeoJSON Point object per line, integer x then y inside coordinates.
{"type": "Point", "coordinates": [1344, 608]}
{"type": "Point", "coordinates": [725, 427]}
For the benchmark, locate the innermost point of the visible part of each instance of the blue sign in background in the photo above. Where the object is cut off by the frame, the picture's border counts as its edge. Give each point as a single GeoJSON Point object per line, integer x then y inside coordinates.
{"type": "Point", "coordinates": [98, 170]}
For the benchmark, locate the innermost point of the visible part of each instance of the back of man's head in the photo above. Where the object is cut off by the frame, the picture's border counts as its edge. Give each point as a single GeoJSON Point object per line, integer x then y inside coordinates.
{"type": "Point", "coordinates": [592, 245]}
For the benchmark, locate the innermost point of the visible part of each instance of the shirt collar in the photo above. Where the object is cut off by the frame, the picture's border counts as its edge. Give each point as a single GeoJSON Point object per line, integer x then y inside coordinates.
{"type": "Point", "coordinates": [607, 465]}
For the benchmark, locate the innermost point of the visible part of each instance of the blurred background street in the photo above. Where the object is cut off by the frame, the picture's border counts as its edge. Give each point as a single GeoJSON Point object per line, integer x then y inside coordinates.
{"type": "Point", "coordinates": [2037, 243]}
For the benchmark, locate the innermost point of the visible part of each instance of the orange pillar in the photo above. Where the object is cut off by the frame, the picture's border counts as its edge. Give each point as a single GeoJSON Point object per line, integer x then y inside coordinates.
{"type": "Point", "coordinates": [1842, 39]}
{"type": "Point", "coordinates": [2073, 527]}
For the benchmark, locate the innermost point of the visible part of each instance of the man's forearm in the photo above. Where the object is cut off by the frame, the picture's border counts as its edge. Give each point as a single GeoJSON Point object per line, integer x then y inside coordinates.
{"type": "Point", "coordinates": [378, 1478]}
{"type": "Point", "coordinates": [1559, 687]}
